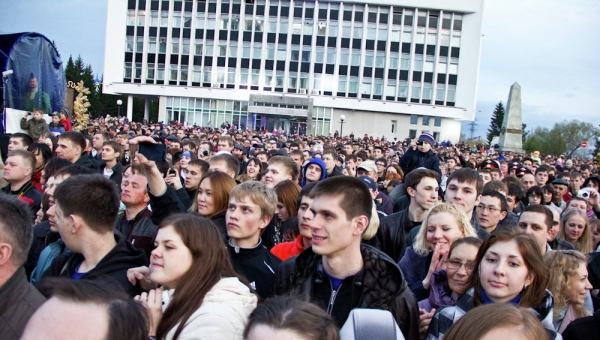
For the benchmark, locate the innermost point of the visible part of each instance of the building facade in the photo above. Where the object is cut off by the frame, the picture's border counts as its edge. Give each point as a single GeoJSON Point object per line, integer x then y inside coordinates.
{"type": "Point", "coordinates": [392, 68]}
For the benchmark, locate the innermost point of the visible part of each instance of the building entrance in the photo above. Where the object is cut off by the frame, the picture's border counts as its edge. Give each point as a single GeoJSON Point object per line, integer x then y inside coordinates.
{"type": "Point", "coordinates": [269, 122]}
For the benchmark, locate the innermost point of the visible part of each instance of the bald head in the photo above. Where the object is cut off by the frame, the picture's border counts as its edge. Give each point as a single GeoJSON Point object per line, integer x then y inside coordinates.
{"type": "Point", "coordinates": [528, 181]}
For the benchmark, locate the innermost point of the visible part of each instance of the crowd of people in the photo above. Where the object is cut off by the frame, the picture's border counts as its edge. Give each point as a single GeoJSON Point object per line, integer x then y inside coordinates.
{"type": "Point", "coordinates": [141, 230]}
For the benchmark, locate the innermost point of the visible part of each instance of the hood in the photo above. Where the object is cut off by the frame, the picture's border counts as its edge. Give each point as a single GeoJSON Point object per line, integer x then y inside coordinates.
{"type": "Point", "coordinates": [320, 163]}
{"type": "Point", "coordinates": [122, 256]}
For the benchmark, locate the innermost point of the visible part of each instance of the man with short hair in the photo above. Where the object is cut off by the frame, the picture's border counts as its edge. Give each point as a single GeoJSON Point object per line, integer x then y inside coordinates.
{"type": "Point", "coordinates": [328, 274]}
{"type": "Point", "coordinates": [19, 141]}
{"type": "Point", "coordinates": [464, 189]}
{"type": "Point", "coordinates": [561, 187]}
{"type": "Point", "coordinates": [279, 169]}
{"type": "Point", "coordinates": [71, 146]}
{"type": "Point", "coordinates": [18, 169]}
{"type": "Point", "coordinates": [368, 168]}
{"type": "Point", "coordinates": [251, 207]}
{"type": "Point", "coordinates": [377, 152]}
{"type": "Point", "coordinates": [422, 188]}
{"type": "Point", "coordinates": [97, 142]}
{"type": "Point", "coordinates": [85, 210]}
{"type": "Point", "coordinates": [348, 148]}
{"type": "Point", "coordinates": [135, 222]}
{"type": "Point", "coordinates": [19, 298]}
{"type": "Point", "coordinates": [112, 168]}
{"type": "Point", "coordinates": [528, 181]}
{"type": "Point", "coordinates": [330, 158]}
{"type": "Point", "coordinates": [574, 186]}
{"type": "Point", "coordinates": [239, 152]}
{"type": "Point", "coordinates": [485, 175]}
{"type": "Point", "coordinates": [492, 209]}
{"type": "Point", "coordinates": [298, 158]}
{"type": "Point", "coordinates": [513, 197]}
{"type": "Point", "coordinates": [585, 171]}
{"type": "Point", "coordinates": [541, 175]}
{"type": "Point", "coordinates": [224, 162]}
{"type": "Point", "coordinates": [186, 191]}
{"type": "Point", "coordinates": [536, 220]}
{"type": "Point", "coordinates": [225, 144]}
{"type": "Point", "coordinates": [180, 134]}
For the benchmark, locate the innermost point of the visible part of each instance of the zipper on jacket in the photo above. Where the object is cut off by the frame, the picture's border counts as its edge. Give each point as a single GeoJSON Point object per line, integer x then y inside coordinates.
{"type": "Point", "coordinates": [333, 295]}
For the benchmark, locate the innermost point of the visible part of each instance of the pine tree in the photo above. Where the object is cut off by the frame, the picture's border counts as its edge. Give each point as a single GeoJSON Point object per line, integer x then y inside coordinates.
{"type": "Point", "coordinates": [496, 123]}
{"type": "Point", "coordinates": [70, 71]}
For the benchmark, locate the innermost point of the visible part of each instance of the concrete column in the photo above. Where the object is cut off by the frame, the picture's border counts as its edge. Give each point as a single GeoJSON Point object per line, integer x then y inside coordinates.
{"type": "Point", "coordinates": [130, 108]}
{"type": "Point", "coordinates": [147, 109]}
{"type": "Point", "coordinates": [162, 109]}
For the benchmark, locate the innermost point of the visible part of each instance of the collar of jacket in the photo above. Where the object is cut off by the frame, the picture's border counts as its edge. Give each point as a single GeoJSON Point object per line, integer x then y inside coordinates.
{"type": "Point", "coordinates": [13, 289]}
{"type": "Point", "coordinates": [245, 251]}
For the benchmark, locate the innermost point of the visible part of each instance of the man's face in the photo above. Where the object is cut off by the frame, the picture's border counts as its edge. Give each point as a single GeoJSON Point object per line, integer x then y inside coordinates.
{"type": "Point", "coordinates": [348, 149]}
{"type": "Point", "coordinates": [464, 195]}
{"type": "Point", "coordinates": [451, 163]}
{"type": "Point", "coordinates": [54, 321]}
{"type": "Point", "coordinates": [16, 143]}
{"type": "Point", "coordinates": [332, 231]}
{"type": "Point", "coordinates": [426, 193]}
{"type": "Point", "coordinates": [244, 219]}
{"type": "Point", "coordinates": [585, 173]}
{"type": "Point", "coordinates": [108, 153]}
{"type": "Point", "coordinates": [298, 160]}
{"type": "Point", "coordinates": [377, 153]}
{"type": "Point", "coordinates": [33, 83]}
{"type": "Point", "coordinates": [220, 166]}
{"type": "Point", "coordinates": [485, 176]}
{"type": "Point", "coordinates": [541, 177]}
{"type": "Point", "coordinates": [275, 173]}
{"type": "Point", "coordinates": [511, 202]}
{"type": "Point", "coordinates": [272, 145]}
{"type": "Point", "coordinates": [16, 169]}
{"type": "Point", "coordinates": [380, 167]}
{"type": "Point", "coordinates": [576, 183]}
{"type": "Point", "coordinates": [67, 150]}
{"type": "Point", "coordinates": [180, 134]}
{"type": "Point", "coordinates": [528, 164]}
{"type": "Point", "coordinates": [533, 223]}
{"type": "Point", "coordinates": [496, 176]}
{"type": "Point", "coordinates": [555, 225]}
{"type": "Point", "coordinates": [504, 168]}
{"type": "Point", "coordinates": [351, 164]}
{"type": "Point", "coordinates": [489, 212]}
{"type": "Point", "coordinates": [193, 174]}
{"type": "Point", "coordinates": [238, 154]}
{"type": "Point", "coordinates": [175, 145]}
{"type": "Point", "coordinates": [329, 162]}
{"type": "Point", "coordinates": [307, 155]}
{"type": "Point", "coordinates": [313, 173]}
{"type": "Point", "coordinates": [133, 190]}
{"type": "Point", "coordinates": [559, 189]}
{"type": "Point", "coordinates": [528, 181]}
{"type": "Point", "coordinates": [224, 146]}
{"type": "Point", "coordinates": [262, 157]}
{"type": "Point", "coordinates": [97, 141]}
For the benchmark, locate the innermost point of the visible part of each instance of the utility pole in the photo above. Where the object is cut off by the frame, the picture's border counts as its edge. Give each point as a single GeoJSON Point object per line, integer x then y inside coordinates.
{"type": "Point", "coordinates": [472, 126]}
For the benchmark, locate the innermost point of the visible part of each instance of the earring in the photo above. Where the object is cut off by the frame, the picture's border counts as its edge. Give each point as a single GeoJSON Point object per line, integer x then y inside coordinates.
{"type": "Point", "coordinates": [525, 286]}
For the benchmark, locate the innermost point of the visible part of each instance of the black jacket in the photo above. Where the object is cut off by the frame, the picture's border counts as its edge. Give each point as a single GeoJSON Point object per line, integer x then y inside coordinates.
{"type": "Point", "coordinates": [86, 162]}
{"type": "Point", "coordinates": [392, 232]}
{"type": "Point", "coordinates": [165, 205]}
{"type": "Point", "coordinates": [186, 197]}
{"type": "Point", "coordinates": [378, 285]}
{"type": "Point", "coordinates": [583, 328]}
{"type": "Point", "coordinates": [117, 172]}
{"type": "Point", "coordinates": [42, 236]}
{"type": "Point", "coordinates": [336, 172]}
{"type": "Point", "coordinates": [139, 231]}
{"type": "Point", "coordinates": [256, 264]}
{"type": "Point", "coordinates": [113, 267]}
{"type": "Point", "coordinates": [413, 159]}
{"type": "Point", "coordinates": [220, 222]}
{"type": "Point", "coordinates": [30, 195]}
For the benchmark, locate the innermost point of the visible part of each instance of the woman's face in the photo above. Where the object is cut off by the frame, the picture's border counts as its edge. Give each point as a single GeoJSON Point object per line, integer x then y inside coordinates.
{"type": "Point", "coordinates": [184, 162]}
{"type": "Point", "coordinates": [282, 212]}
{"type": "Point", "coordinates": [594, 185]}
{"type": "Point", "coordinates": [459, 266]}
{"type": "Point", "coordinates": [574, 228]}
{"type": "Point", "coordinates": [578, 285]}
{"type": "Point", "coordinates": [547, 196]}
{"type": "Point", "coordinates": [205, 198]}
{"type": "Point", "coordinates": [170, 260]}
{"type": "Point", "coordinates": [503, 273]}
{"type": "Point", "coordinates": [48, 142]}
{"type": "Point", "coordinates": [39, 160]}
{"type": "Point", "coordinates": [391, 170]}
{"type": "Point", "coordinates": [252, 169]}
{"type": "Point", "coordinates": [595, 231]}
{"type": "Point", "coordinates": [534, 199]}
{"type": "Point", "coordinates": [442, 230]}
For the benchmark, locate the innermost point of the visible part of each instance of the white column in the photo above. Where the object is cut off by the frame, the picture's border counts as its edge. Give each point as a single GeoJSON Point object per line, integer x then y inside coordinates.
{"type": "Point", "coordinates": [130, 108]}
{"type": "Point", "coordinates": [147, 109]}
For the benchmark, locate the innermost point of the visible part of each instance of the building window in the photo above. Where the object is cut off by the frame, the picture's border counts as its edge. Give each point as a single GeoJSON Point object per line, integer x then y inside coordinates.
{"type": "Point", "coordinates": [209, 48]}
{"type": "Point", "coordinates": [198, 47]}
{"type": "Point", "coordinates": [412, 134]}
{"type": "Point", "coordinates": [131, 18]}
{"type": "Point", "coordinates": [244, 76]}
{"type": "Point", "coordinates": [279, 78]}
{"type": "Point", "coordinates": [405, 62]}
{"type": "Point", "coordinates": [185, 47]}
{"type": "Point", "coordinates": [390, 89]}
{"type": "Point", "coordinates": [255, 77]}
{"type": "Point", "coordinates": [425, 121]}
{"type": "Point", "coordinates": [281, 52]}
{"type": "Point", "coordinates": [208, 74]}
{"type": "Point", "coordinates": [150, 74]}
{"type": "Point", "coordinates": [437, 121]}
{"type": "Point", "coordinates": [176, 19]}
{"type": "Point", "coordinates": [246, 50]}
{"type": "Point", "coordinates": [187, 19]}
{"type": "Point", "coordinates": [164, 18]}
{"type": "Point", "coordinates": [436, 136]}
{"type": "Point", "coordinates": [173, 72]}
{"type": "Point", "coordinates": [394, 123]}
{"type": "Point", "coordinates": [162, 45]}
{"type": "Point", "coordinates": [257, 51]}
{"type": "Point", "coordinates": [197, 74]}
{"type": "Point", "coordinates": [414, 119]}
{"type": "Point", "coordinates": [231, 75]}
{"type": "Point", "coordinates": [224, 23]}
{"type": "Point", "coordinates": [183, 73]}
{"type": "Point", "coordinates": [152, 45]}
{"type": "Point", "coordinates": [380, 59]}
{"type": "Point", "coordinates": [451, 93]}
{"type": "Point", "coordinates": [233, 48]}
{"type": "Point", "coordinates": [175, 46]}
{"type": "Point", "coordinates": [418, 66]}
{"type": "Point", "coordinates": [317, 82]}
{"type": "Point", "coordinates": [440, 91]}
{"type": "Point", "coordinates": [129, 44]}
{"type": "Point", "coordinates": [304, 80]}
{"type": "Point", "coordinates": [403, 89]}
{"type": "Point", "coordinates": [293, 80]}
{"type": "Point", "coordinates": [427, 91]}
{"type": "Point", "coordinates": [138, 70]}
{"type": "Point", "coordinates": [353, 85]}
{"type": "Point", "coordinates": [416, 90]}
{"type": "Point", "coordinates": [200, 21]}
{"type": "Point", "coordinates": [222, 50]}
{"type": "Point", "coordinates": [306, 56]}
{"type": "Point", "coordinates": [393, 60]}
{"type": "Point", "coordinates": [369, 58]}
{"type": "Point", "coordinates": [365, 88]}
{"type": "Point", "coordinates": [127, 71]}
{"type": "Point", "coordinates": [160, 72]}
{"type": "Point", "coordinates": [295, 53]}
{"type": "Point", "coordinates": [153, 18]}
{"type": "Point", "coordinates": [344, 56]}
{"type": "Point", "coordinates": [235, 24]}
{"type": "Point", "coordinates": [331, 55]}
{"type": "Point", "coordinates": [270, 51]}
{"type": "Point", "coordinates": [378, 88]}
{"type": "Point", "coordinates": [342, 81]}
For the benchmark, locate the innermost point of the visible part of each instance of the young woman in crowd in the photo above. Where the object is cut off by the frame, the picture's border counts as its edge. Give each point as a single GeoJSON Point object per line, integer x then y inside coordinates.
{"type": "Point", "coordinates": [287, 318]}
{"type": "Point", "coordinates": [509, 269]}
{"type": "Point", "coordinates": [287, 206]}
{"type": "Point", "coordinates": [213, 197]}
{"type": "Point", "coordinates": [285, 250]}
{"type": "Point", "coordinates": [42, 155]}
{"type": "Point", "coordinates": [500, 321]}
{"type": "Point", "coordinates": [595, 233]}
{"type": "Point", "coordinates": [443, 224]}
{"type": "Point", "coordinates": [575, 229]}
{"type": "Point", "coordinates": [254, 169]}
{"type": "Point", "coordinates": [448, 285]}
{"type": "Point", "coordinates": [52, 165]}
{"type": "Point", "coordinates": [200, 294]}
{"type": "Point", "coordinates": [592, 182]}
{"type": "Point", "coordinates": [535, 195]}
{"type": "Point", "coordinates": [569, 285]}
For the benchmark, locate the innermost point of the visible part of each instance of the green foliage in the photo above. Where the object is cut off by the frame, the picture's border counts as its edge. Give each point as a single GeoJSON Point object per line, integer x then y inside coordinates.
{"type": "Point", "coordinates": [564, 137]}
{"type": "Point", "coordinates": [496, 123]}
{"type": "Point", "coordinates": [525, 134]}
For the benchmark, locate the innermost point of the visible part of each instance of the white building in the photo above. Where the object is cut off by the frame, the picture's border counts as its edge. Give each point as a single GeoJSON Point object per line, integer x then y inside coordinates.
{"type": "Point", "coordinates": [390, 67]}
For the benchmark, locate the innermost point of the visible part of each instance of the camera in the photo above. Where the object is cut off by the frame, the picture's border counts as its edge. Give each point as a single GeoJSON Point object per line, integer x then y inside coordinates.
{"type": "Point", "coordinates": [420, 142]}
{"type": "Point", "coordinates": [172, 171]}
{"type": "Point", "coordinates": [204, 153]}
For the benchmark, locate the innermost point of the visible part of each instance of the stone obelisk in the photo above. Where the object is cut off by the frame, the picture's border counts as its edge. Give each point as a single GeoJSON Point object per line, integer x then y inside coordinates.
{"type": "Point", "coordinates": [511, 135]}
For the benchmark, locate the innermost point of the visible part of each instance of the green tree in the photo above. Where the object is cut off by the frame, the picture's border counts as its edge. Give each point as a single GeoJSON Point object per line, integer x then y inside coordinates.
{"type": "Point", "coordinates": [523, 127]}
{"type": "Point", "coordinates": [564, 137]}
{"type": "Point", "coordinates": [496, 123]}
{"type": "Point", "coordinates": [70, 71]}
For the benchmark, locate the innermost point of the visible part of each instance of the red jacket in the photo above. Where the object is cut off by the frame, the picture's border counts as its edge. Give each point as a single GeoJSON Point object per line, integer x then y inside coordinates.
{"type": "Point", "coordinates": [67, 123]}
{"type": "Point", "coordinates": [36, 181]}
{"type": "Point", "coordinates": [285, 250]}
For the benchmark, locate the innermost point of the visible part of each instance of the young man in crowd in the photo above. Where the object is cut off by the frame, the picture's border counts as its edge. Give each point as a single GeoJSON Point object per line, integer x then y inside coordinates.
{"type": "Point", "coordinates": [542, 174]}
{"type": "Point", "coordinates": [555, 242]}
{"type": "Point", "coordinates": [368, 168]}
{"type": "Point", "coordinates": [97, 142]}
{"type": "Point", "coordinates": [536, 220]}
{"type": "Point", "coordinates": [492, 209]}
{"type": "Point", "coordinates": [513, 197]}
{"type": "Point", "coordinates": [313, 171]}
{"type": "Point", "coordinates": [186, 192]}
{"type": "Point", "coordinates": [422, 188]}
{"type": "Point", "coordinates": [84, 213]}
{"type": "Point", "coordinates": [19, 298]}
{"type": "Point", "coordinates": [225, 144]}
{"type": "Point", "coordinates": [71, 146]}
{"type": "Point", "coordinates": [280, 168]}
{"type": "Point", "coordinates": [338, 273]}
{"type": "Point", "coordinates": [464, 189]}
{"type": "Point", "coordinates": [251, 207]}
{"type": "Point", "coordinates": [528, 181]}
{"type": "Point", "coordinates": [224, 162]}
{"type": "Point", "coordinates": [574, 186]}
{"type": "Point", "coordinates": [330, 157]}
{"type": "Point", "coordinates": [19, 141]}
{"type": "Point", "coordinates": [18, 169]}
{"type": "Point", "coordinates": [112, 168]}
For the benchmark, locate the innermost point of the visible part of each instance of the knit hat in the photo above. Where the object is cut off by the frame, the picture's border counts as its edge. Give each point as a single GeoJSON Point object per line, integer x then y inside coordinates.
{"type": "Point", "coordinates": [427, 137]}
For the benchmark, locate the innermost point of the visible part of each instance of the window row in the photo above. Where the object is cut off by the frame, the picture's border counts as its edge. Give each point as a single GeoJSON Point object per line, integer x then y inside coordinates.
{"type": "Point", "coordinates": [425, 120]}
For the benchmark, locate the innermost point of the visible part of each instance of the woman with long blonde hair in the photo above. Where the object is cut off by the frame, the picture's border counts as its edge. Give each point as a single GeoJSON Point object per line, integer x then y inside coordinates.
{"type": "Point", "coordinates": [575, 229]}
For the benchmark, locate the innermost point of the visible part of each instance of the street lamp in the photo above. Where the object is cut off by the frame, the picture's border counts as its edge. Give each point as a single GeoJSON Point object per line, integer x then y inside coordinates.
{"type": "Point", "coordinates": [342, 119]}
{"type": "Point", "coordinates": [119, 103]}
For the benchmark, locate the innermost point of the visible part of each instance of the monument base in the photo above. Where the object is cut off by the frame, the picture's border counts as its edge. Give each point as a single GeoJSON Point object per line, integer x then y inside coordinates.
{"type": "Point", "coordinates": [511, 142]}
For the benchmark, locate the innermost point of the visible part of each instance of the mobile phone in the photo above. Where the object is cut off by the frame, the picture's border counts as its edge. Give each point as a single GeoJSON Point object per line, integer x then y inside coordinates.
{"type": "Point", "coordinates": [172, 171]}
{"type": "Point", "coordinates": [154, 152]}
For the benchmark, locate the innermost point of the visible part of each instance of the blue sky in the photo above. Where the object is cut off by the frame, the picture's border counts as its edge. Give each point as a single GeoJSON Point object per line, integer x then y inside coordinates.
{"type": "Point", "coordinates": [549, 46]}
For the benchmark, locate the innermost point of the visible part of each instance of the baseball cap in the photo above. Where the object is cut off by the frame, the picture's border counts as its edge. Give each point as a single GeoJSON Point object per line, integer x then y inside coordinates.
{"type": "Point", "coordinates": [369, 182]}
{"type": "Point", "coordinates": [368, 165]}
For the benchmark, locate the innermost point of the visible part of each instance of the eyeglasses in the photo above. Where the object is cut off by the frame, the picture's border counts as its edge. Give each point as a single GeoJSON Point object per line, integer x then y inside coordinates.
{"type": "Point", "coordinates": [456, 264]}
{"type": "Point", "coordinates": [490, 208]}
{"type": "Point", "coordinates": [534, 196]}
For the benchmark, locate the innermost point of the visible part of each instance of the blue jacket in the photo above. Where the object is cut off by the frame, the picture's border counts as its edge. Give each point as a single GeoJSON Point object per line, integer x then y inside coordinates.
{"type": "Point", "coordinates": [413, 159]}
{"type": "Point", "coordinates": [320, 163]}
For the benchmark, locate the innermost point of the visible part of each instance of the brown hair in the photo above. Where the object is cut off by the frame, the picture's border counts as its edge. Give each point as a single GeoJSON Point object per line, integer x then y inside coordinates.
{"type": "Point", "coordinates": [301, 317]}
{"type": "Point", "coordinates": [469, 176]}
{"type": "Point", "coordinates": [562, 266]}
{"type": "Point", "coordinates": [532, 257]}
{"type": "Point", "coordinates": [117, 148]}
{"type": "Point", "coordinates": [481, 320]}
{"type": "Point", "coordinates": [287, 193]}
{"type": "Point", "coordinates": [584, 244]}
{"type": "Point", "coordinates": [594, 223]}
{"type": "Point", "coordinates": [288, 163]}
{"type": "Point", "coordinates": [356, 199]}
{"type": "Point", "coordinates": [413, 178]}
{"type": "Point", "coordinates": [27, 156]}
{"type": "Point", "coordinates": [221, 185]}
{"type": "Point", "coordinates": [210, 263]}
